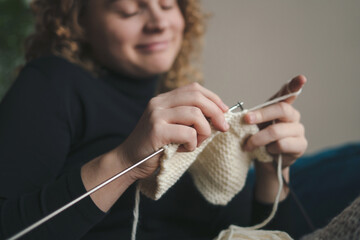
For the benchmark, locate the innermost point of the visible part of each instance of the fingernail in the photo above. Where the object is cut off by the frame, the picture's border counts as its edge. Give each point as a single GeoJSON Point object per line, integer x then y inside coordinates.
{"type": "Point", "coordinates": [251, 117]}
{"type": "Point", "coordinates": [224, 107]}
{"type": "Point", "coordinates": [226, 125]}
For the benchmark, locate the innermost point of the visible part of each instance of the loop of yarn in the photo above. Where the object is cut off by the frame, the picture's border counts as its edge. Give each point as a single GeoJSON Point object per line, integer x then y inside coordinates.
{"type": "Point", "coordinates": [136, 213]}
{"type": "Point", "coordinates": [253, 232]}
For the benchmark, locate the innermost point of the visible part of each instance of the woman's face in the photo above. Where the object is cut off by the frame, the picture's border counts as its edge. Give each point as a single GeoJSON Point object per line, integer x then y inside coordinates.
{"type": "Point", "coordinates": [136, 37]}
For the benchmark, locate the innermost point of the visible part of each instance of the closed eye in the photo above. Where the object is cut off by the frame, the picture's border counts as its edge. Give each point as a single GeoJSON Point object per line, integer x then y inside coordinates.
{"type": "Point", "coordinates": [168, 4]}
{"type": "Point", "coordinates": [127, 15]}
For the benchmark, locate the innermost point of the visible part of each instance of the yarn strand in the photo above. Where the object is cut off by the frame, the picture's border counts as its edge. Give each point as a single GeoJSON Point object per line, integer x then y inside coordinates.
{"type": "Point", "coordinates": [275, 100]}
{"type": "Point", "coordinates": [233, 230]}
{"type": "Point", "coordinates": [277, 198]}
{"type": "Point", "coordinates": [229, 233]}
{"type": "Point", "coordinates": [136, 213]}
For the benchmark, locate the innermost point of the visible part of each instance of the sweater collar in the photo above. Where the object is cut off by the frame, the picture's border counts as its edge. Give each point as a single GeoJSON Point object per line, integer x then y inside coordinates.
{"type": "Point", "coordinates": [142, 89]}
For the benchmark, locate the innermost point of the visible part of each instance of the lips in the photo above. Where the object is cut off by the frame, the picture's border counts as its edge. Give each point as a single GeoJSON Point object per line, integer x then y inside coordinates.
{"type": "Point", "coordinates": [153, 46]}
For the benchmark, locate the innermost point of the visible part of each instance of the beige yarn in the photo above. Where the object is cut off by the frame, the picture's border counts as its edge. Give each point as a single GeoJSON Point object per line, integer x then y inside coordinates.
{"type": "Point", "coordinates": [218, 167]}
{"type": "Point", "coordinates": [241, 233]}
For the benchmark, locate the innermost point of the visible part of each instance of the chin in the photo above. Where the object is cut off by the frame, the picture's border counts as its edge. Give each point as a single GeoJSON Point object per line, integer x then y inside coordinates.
{"type": "Point", "coordinates": [158, 66]}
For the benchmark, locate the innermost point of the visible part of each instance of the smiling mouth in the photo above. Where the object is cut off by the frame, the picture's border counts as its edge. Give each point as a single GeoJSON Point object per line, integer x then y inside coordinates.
{"type": "Point", "coordinates": [153, 46]}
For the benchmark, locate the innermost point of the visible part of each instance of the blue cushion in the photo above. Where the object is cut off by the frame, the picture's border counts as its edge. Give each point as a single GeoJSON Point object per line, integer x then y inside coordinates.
{"type": "Point", "coordinates": [326, 182]}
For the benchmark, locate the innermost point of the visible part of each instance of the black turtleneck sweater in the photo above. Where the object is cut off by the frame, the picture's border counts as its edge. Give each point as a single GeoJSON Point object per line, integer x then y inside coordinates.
{"type": "Point", "coordinates": [55, 118]}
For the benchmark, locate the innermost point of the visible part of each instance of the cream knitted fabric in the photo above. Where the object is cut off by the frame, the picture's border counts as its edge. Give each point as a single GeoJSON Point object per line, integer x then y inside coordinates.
{"type": "Point", "coordinates": [240, 233]}
{"type": "Point", "coordinates": [218, 167]}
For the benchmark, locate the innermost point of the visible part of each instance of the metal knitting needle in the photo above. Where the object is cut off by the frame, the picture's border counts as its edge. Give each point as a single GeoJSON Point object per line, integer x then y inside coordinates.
{"type": "Point", "coordinates": [238, 105]}
{"type": "Point", "coordinates": [53, 214]}
{"type": "Point", "coordinates": [275, 100]}
{"type": "Point", "coordinates": [56, 212]}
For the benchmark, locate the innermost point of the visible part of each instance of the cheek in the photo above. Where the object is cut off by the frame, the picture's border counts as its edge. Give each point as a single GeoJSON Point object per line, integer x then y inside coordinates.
{"type": "Point", "coordinates": [118, 34]}
{"type": "Point", "coordinates": [120, 39]}
{"type": "Point", "coordinates": [179, 24]}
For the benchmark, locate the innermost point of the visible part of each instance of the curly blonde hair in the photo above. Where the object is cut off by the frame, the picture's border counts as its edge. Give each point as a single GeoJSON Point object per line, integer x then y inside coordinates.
{"type": "Point", "coordinates": [58, 32]}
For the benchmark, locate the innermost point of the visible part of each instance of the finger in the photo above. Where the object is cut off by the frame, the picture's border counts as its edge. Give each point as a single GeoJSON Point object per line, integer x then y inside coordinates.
{"type": "Point", "coordinates": [180, 134]}
{"type": "Point", "coordinates": [292, 86]}
{"type": "Point", "coordinates": [292, 147]}
{"type": "Point", "coordinates": [189, 116]}
{"type": "Point", "coordinates": [281, 111]}
{"type": "Point", "coordinates": [209, 94]}
{"type": "Point", "coordinates": [274, 133]}
{"type": "Point", "coordinates": [197, 99]}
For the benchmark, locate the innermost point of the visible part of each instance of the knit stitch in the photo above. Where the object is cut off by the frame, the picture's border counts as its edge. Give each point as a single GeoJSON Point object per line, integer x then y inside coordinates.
{"type": "Point", "coordinates": [240, 233]}
{"type": "Point", "coordinates": [218, 167]}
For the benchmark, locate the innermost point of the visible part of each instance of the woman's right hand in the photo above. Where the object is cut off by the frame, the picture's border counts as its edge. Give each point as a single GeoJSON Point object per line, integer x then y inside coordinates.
{"type": "Point", "coordinates": [179, 116]}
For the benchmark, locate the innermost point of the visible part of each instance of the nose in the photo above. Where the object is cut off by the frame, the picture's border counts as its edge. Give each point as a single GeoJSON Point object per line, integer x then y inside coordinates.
{"type": "Point", "coordinates": [157, 21]}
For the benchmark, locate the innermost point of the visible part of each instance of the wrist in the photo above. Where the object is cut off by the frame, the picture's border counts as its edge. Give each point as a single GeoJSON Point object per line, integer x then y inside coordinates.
{"type": "Point", "coordinates": [104, 167]}
{"type": "Point", "coordinates": [118, 160]}
{"type": "Point", "coordinates": [267, 183]}
{"type": "Point", "coordinates": [98, 171]}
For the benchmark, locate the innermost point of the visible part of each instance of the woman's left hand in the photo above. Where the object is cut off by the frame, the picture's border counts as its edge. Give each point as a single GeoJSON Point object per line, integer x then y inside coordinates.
{"type": "Point", "coordinates": [286, 136]}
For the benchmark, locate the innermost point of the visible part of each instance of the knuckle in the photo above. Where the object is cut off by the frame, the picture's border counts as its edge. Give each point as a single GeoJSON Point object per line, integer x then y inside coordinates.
{"type": "Point", "coordinates": [153, 103]}
{"type": "Point", "coordinates": [207, 135]}
{"type": "Point", "coordinates": [207, 132]}
{"type": "Point", "coordinates": [285, 108]}
{"type": "Point", "coordinates": [273, 131]}
{"type": "Point", "coordinates": [197, 96]}
{"type": "Point", "coordinates": [281, 145]}
{"type": "Point", "coordinates": [187, 134]}
{"type": "Point", "coordinates": [196, 112]}
{"type": "Point", "coordinates": [154, 117]}
{"type": "Point", "coordinates": [195, 85]}
{"type": "Point", "coordinates": [191, 138]}
{"type": "Point", "coordinates": [192, 134]}
{"type": "Point", "coordinates": [156, 128]}
{"type": "Point", "coordinates": [156, 136]}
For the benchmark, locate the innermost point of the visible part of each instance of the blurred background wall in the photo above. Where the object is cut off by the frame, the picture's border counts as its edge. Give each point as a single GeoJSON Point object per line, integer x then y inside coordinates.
{"type": "Point", "coordinates": [253, 47]}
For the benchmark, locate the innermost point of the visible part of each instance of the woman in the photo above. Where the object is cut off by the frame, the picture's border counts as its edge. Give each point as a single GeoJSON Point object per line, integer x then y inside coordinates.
{"type": "Point", "coordinates": [83, 109]}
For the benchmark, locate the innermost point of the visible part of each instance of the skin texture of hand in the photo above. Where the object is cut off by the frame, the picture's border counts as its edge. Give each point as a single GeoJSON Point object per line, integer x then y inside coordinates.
{"type": "Point", "coordinates": [286, 137]}
{"type": "Point", "coordinates": [179, 116]}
